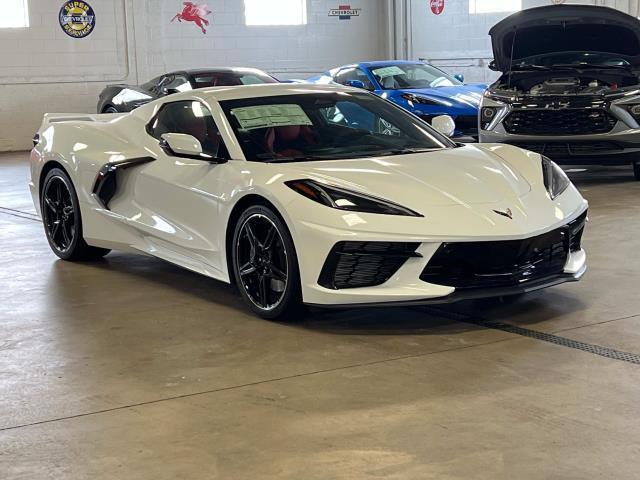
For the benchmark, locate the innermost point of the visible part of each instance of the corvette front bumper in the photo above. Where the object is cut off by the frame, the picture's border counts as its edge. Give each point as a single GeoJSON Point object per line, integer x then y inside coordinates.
{"type": "Point", "coordinates": [405, 286]}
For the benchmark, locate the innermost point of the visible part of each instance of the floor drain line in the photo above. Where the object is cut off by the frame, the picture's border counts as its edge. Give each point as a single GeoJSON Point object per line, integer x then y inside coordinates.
{"type": "Point", "coordinates": [20, 214]}
{"type": "Point", "coordinates": [545, 337]}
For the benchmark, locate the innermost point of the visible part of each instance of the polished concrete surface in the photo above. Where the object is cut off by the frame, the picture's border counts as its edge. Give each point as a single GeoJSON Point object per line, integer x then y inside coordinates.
{"type": "Point", "coordinates": [132, 368]}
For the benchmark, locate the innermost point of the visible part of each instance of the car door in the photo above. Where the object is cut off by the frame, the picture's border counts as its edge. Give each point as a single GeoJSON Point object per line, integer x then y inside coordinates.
{"type": "Point", "coordinates": [176, 199]}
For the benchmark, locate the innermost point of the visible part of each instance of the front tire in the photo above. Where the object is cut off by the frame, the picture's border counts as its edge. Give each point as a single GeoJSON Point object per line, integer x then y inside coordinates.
{"type": "Point", "coordinates": [62, 220]}
{"type": "Point", "coordinates": [636, 170]}
{"type": "Point", "coordinates": [265, 265]}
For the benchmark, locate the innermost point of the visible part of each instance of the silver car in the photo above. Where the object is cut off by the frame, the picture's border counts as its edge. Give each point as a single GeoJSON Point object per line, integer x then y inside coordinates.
{"type": "Point", "coordinates": [569, 87]}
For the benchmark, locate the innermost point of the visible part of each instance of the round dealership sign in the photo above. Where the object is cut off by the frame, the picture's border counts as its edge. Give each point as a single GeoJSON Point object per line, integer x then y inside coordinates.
{"type": "Point", "coordinates": [437, 6]}
{"type": "Point", "coordinates": [77, 19]}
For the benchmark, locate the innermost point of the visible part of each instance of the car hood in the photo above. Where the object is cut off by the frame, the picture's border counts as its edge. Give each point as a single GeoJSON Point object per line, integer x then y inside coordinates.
{"type": "Point", "coordinates": [460, 176]}
{"type": "Point", "coordinates": [458, 95]}
{"type": "Point", "coordinates": [564, 28]}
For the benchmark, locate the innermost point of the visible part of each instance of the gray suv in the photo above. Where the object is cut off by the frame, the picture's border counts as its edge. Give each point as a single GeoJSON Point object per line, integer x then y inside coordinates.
{"type": "Point", "coordinates": [569, 87]}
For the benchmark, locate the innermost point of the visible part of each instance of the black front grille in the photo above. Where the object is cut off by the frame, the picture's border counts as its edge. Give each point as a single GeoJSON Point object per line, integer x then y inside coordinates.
{"type": "Point", "coordinates": [467, 124]}
{"type": "Point", "coordinates": [566, 149]}
{"type": "Point", "coordinates": [504, 263]}
{"type": "Point", "coordinates": [364, 264]}
{"type": "Point", "coordinates": [568, 121]}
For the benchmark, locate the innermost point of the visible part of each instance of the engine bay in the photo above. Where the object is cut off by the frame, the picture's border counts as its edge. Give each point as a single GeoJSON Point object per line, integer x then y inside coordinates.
{"type": "Point", "coordinates": [569, 84]}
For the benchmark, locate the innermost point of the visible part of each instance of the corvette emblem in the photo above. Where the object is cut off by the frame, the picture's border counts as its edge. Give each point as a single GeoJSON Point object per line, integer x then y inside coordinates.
{"type": "Point", "coordinates": [507, 213]}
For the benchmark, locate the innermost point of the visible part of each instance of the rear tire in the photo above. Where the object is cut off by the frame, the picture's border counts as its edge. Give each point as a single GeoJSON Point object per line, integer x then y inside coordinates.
{"type": "Point", "coordinates": [62, 219]}
{"type": "Point", "coordinates": [636, 170]}
{"type": "Point", "coordinates": [265, 265]}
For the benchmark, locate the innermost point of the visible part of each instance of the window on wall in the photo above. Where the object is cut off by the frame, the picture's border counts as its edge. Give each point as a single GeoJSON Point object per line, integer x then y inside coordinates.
{"type": "Point", "coordinates": [494, 6]}
{"type": "Point", "coordinates": [275, 12]}
{"type": "Point", "coordinates": [15, 14]}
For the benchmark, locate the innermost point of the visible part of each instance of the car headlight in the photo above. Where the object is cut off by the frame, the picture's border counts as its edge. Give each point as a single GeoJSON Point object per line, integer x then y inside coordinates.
{"type": "Point", "coordinates": [409, 97]}
{"type": "Point", "coordinates": [634, 110]}
{"type": "Point", "coordinates": [487, 114]}
{"type": "Point", "coordinates": [341, 199]}
{"type": "Point", "coordinates": [555, 180]}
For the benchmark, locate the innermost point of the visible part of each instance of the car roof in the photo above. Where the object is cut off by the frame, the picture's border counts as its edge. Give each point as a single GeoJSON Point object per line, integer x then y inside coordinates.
{"type": "Point", "coordinates": [381, 63]}
{"type": "Point", "coordinates": [260, 90]}
{"type": "Point", "coordinates": [204, 71]}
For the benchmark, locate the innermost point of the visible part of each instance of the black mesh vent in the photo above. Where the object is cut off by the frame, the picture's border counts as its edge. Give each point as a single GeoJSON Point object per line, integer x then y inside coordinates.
{"type": "Point", "coordinates": [504, 263]}
{"type": "Point", "coordinates": [569, 121]}
{"type": "Point", "coordinates": [364, 264]}
{"type": "Point", "coordinates": [467, 124]}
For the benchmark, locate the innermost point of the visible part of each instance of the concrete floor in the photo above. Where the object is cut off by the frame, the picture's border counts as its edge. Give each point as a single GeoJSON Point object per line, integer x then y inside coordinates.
{"type": "Point", "coordinates": [134, 369]}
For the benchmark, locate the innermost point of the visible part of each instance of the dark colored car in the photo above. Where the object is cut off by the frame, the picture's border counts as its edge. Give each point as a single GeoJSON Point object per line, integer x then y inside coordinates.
{"type": "Point", "coordinates": [124, 98]}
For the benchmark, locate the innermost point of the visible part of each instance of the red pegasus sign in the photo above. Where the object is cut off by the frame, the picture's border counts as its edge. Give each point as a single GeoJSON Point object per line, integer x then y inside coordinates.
{"type": "Point", "coordinates": [437, 6]}
{"type": "Point", "coordinates": [194, 12]}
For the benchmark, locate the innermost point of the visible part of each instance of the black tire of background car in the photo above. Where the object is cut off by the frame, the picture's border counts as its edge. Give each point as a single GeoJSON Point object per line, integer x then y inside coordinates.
{"type": "Point", "coordinates": [59, 207]}
{"type": "Point", "coordinates": [636, 170]}
{"type": "Point", "coordinates": [290, 308]}
{"type": "Point", "coordinates": [110, 109]}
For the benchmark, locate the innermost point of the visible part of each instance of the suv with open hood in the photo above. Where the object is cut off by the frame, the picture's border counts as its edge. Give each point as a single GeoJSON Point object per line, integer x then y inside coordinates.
{"type": "Point", "coordinates": [569, 87]}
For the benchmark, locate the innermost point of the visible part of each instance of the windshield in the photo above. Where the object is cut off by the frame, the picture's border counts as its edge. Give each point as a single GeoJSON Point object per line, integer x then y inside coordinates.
{"type": "Point", "coordinates": [578, 59]}
{"type": "Point", "coordinates": [226, 79]}
{"type": "Point", "coordinates": [392, 77]}
{"type": "Point", "coordinates": [326, 126]}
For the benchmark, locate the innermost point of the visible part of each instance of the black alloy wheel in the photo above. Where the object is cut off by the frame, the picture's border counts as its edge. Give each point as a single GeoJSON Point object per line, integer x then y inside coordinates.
{"type": "Point", "coordinates": [265, 265]}
{"type": "Point", "coordinates": [62, 220]}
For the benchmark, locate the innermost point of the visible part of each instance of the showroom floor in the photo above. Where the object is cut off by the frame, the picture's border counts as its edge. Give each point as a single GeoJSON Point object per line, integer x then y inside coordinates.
{"type": "Point", "coordinates": [132, 368]}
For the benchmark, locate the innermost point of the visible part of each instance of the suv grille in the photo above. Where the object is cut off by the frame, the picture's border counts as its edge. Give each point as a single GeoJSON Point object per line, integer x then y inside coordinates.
{"type": "Point", "coordinates": [504, 263]}
{"type": "Point", "coordinates": [364, 264]}
{"type": "Point", "coordinates": [569, 121]}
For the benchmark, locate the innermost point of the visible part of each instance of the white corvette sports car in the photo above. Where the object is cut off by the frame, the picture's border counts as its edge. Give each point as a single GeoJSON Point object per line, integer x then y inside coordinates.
{"type": "Point", "coordinates": [321, 195]}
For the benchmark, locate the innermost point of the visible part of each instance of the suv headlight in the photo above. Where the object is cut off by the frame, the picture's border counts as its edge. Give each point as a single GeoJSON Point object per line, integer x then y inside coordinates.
{"type": "Point", "coordinates": [634, 110]}
{"type": "Point", "coordinates": [487, 114]}
{"type": "Point", "coordinates": [341, 199]}
{"type": "Point", "coordinates": [555, 180]}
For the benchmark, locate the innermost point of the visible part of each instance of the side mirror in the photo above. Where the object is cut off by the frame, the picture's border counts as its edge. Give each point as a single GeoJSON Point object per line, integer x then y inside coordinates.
{"type": "Point", "coordinates": [185, 146]}
{"type": "Point", "coordinates": [459, 77]}
{"type": "Point", "coordinates": [180, 144]}
{"type": "Point", "coordinates": [444, 124]}
{"type": "Point", "coordinates": [355, 84]}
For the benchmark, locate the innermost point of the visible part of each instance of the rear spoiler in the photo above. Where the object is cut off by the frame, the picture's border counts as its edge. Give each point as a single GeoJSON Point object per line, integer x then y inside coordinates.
{"type": "Point", "coordinates": [51, 118]}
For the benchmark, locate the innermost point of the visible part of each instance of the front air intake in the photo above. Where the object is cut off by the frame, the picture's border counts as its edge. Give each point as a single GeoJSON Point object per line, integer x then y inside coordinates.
{"type": "Point", "coordinates": [364, 264]}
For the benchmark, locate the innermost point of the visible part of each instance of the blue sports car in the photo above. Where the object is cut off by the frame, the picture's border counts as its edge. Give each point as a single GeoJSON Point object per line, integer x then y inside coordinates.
{"type": "Point", "coordinates": [423, 89]}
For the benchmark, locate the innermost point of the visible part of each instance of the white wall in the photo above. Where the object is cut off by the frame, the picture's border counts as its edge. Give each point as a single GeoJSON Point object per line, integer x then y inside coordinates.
{"type": "Point", "coordinates": [459, 42]}
{"type": "Point", "coordinates": [43, 70]}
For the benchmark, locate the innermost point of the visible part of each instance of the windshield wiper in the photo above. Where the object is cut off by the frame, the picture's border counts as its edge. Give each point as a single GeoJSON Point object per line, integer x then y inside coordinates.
{"type": "Point", "coordinates": [273, 159]}
{"type": "Point", "coordinates": [269, 158]}
{"type": "Point", "coordinates": [405, 151]}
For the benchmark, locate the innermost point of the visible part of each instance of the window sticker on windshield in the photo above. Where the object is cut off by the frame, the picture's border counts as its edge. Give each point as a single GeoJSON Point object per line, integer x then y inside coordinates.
{"type": "Point", "coordinates": [388, 71]}
{"type": "Point", "coordinates": [265, 116]}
